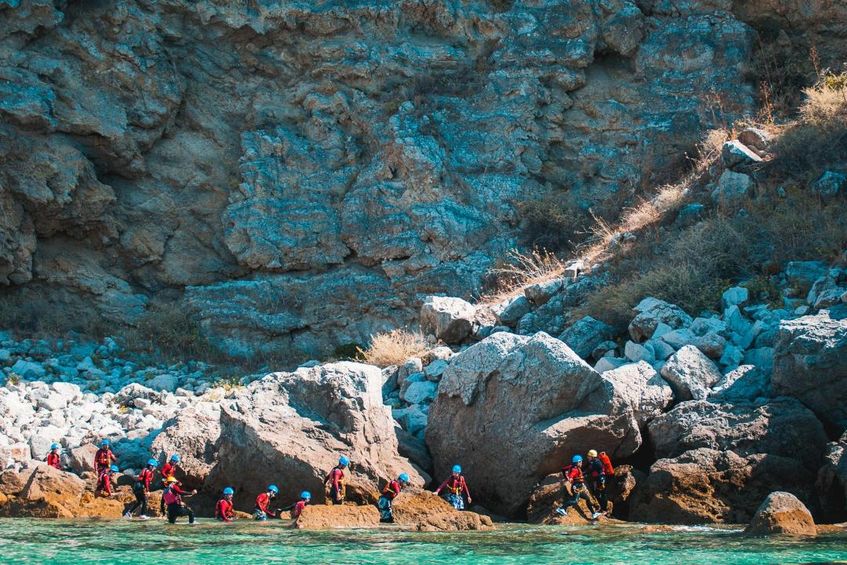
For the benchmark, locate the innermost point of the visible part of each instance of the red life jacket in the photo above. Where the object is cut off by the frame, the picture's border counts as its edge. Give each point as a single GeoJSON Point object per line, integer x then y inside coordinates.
{"type": "Point", "coordinates": [335, 476]}
{"type": "Point", "coordinates": [168, 470]}
{"type": "Point", "coordinates": [54, 460]}
{"type": "Point", "coordinates": [170, 496]}
{"type": "Point", "coordinates": [145, 477]}
{"type": "Point", "coordinates": [103, 457]}
{"type": "Point", "coordinates": [573, 473]}
{"type": "Point", "coordinates": [392, 489]}
{"type": "Point", "coordinates": [223, 510]}
{"type": "Point", "coordinates": [607, 464]}
{"type": "Point", "coordinates": [262, 502]}
{"type": "Point", "coordinates": [298, 508]}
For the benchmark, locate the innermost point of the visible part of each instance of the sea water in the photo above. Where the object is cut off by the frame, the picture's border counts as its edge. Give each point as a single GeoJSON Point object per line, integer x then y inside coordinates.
{"type": "Point", "coordinates": [209, 543]}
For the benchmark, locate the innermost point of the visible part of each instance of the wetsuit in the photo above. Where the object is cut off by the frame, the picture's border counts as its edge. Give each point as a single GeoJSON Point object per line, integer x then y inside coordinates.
{"type": "Point", "coordinates": [298, 508]}
{"type": "Point", "coordinates": [104, 482]}
{"type": "Point", "coordinates": [389, 493]}
{"type": "Point", "coordinates": [173, 500]}
{"type": "Point", "coordinates": [336, 481]}
{"type": "Point", "coordinates": [456, 489]}
{"type": "Point", "coordinates": [597, 482]}
{"type": "Point", "coordinates": [140, 488]}
{"type": "Point", "coordinates": [103, 459]}
{"type": "Point", "coordinates": [223, 510]}
{"type": "Point", "coordinates": [262, 511]}
{"type": "Point", "coordinates": [168, 470]}
{"type": "Point", "coordinates": [573, 473]}
{"type": "Point", "coordinates": [54, 460]}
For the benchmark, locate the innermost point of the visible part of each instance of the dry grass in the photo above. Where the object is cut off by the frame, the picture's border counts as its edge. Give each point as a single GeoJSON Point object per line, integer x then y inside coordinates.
{"type": "Point", "coordinates": [521, 270]}
{"type": "Point", "coordinates": [393, 348]}
{"type": "Point", "coordinates": [818, 139]}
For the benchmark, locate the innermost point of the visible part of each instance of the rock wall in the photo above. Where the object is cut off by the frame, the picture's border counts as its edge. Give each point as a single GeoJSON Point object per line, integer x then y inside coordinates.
{"type": "Point", "coordinates": [302, 173]}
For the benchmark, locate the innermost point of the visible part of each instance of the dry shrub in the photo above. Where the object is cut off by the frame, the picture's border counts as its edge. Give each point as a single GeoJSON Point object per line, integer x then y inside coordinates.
{"type": "Point", "coordinates": [692, 268]}
{"type": "Point", "coordinates": [393, 348]}
{"type": "Point", "coordinates": [520, 270]}
{"type": "Point", "coordinates": [554, 222]}
{"type": "Point", "coordinates": [818, 139]}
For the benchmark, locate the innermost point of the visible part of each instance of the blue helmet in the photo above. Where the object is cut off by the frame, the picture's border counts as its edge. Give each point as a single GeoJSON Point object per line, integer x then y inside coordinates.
{"type": "Point", "coordinates": [105, 443]}
{"type": "Point", "coordinates": [273, 488]}
{"type": "Point", "coordinates": [403, 478]}
{"type": "Point", "coordinates": [175, 458]}
{"type": "Point", "coordinates": [306, 495]}
{"type": "Point", "coordinates": [54, 446]}
{"type": "Point", "coordinates": [457, 468]}
{"type": "Point", "coordinates": [114, 469]}
{"type": "Point", "coordinates": [152, 463]}
{"type": "Point", "coordinates": [343, 461]}
{"type": "Point", "coordinates": [576, 459]}
{"type": "Point", "coordinates": [228, 491]}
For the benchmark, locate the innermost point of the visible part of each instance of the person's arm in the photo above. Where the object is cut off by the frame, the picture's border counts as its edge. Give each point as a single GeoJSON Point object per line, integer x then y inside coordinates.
{"type": "Point", "coordinates": [442, 487]}
{"type": "Point", "coordinates": [466, 489]}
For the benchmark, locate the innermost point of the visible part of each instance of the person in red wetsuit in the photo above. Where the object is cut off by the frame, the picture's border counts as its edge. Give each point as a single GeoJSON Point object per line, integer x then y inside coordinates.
{"type": "Point", "coordinates": [53, 458]}
{"type": "Point", "coordinates": [141, 489]}
{"type": "Point", "coordinates": [336, 481]}
{"type": "Point", "coordinates": [173, 500]}
{"type": "Point", "coordinates": [573, 474]}
{"type": "Point", "coordinates": [263, 501]}
{"type": "Point", "coordinates": [104, 481]}
{"type": "Point", "coordinates": [223, 509]}
{"type": "Point", "coordinates": [597, 479]}
{"type": "Point", "coordinates": [389, 493]}
{"type": "Point", "coordinates": [104, 457]}
{"type": "Point", "coordinates": [298, 507]}
{"type": "Point", "coordinates": [456, 488]}
{"type": "Point", "coordinates": [169, 470]}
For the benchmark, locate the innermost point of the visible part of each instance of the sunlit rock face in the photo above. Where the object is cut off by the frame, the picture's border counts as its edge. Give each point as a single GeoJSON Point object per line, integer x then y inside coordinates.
{"type": "Point", "coordinates": [303, 173]}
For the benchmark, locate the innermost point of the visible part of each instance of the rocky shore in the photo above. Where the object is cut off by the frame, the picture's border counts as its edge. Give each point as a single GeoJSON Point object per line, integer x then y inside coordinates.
{"type": "Point", "coordinates": [705, 415]}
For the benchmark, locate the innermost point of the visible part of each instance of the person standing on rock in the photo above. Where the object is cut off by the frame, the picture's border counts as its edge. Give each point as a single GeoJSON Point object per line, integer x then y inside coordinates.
{"type": "Point", "coordinates": [456, 488]}
{"type": "Point", "coordinates": [104, 481]}
{"type": "Point", "coordinates": [173, 500]}
{"type": "Point", "coordinates": [573, 475]}
{"type": "Point", "coordinates": [223, 509]}
{"type": "Point", "coordinates": [263, 502]}
{"type": "Point", "coordinates": [141, 489]}
{"type": "Point", "coordinates": [298, 507]}
{"type": "Point", "coordinates": [597, 479]}
{"type": "Point", "coordinates": [335, 479]}
{"type": "Point", "coordinates": [168, 470]}
{"type": "Point", "coordinates": [104, 457]}
{"type": "Point", "coordinates": [53, 458]}
{"type": "Point", "coordinates": [389, 493]}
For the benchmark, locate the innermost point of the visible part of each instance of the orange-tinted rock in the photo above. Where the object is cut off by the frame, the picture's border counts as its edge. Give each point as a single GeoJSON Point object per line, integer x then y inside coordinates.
{"type": "Point", "coordinates": [782, 513]}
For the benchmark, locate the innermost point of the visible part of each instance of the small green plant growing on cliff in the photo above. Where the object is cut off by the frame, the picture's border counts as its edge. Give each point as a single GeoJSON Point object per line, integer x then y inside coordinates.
{"type": "Point", "coordinates": [13, 379]}
{"type": "Point", "coordinates": [393, 348]}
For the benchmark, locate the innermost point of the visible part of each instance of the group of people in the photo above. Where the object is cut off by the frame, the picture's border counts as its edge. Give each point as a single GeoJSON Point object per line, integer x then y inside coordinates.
{"type": "Point", "coordinates": [587, 478]}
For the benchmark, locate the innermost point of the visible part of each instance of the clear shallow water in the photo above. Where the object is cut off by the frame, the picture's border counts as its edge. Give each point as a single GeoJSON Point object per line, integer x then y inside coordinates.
{"type": "Point", "coordinates": [209, 543]}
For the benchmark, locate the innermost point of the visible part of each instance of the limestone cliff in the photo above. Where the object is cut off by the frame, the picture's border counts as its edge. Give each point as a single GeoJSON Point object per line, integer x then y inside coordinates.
{"type": "Point", "coordinates": [302, 172]}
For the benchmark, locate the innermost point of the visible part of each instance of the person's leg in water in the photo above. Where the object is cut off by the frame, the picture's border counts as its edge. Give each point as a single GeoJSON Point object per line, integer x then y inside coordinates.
{"type": "Point", "coordinates": [140, 500]}
{"type": "Point", "coordinates": [386, 515]}
{"type": "Point", "coordinates": [177, 511]}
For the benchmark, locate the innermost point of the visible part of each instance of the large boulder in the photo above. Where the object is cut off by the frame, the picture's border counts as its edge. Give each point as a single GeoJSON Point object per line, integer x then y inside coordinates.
{"type": "Point", "coordinates": [690, 373]}
{"type": "Point", "coordinates": [418, 511]}
{"type": "Point", "coordinates": [810, 363]}
{"type": "Point", "coordinates": [782, 513]}
{"type": "Point", "coordinates": [641, 387]}
{"type": "Point", "coordinates": [707, 486]}
{"type": "Point", "coordinates": [586, 334]}
{"type": "Point", "coordinates": [512, 408]}
{"type": "Point", "coordinates": [449, 319]}
{"type": "Point", "coordinates": [831, 483]}
{"type": "Point", "coordinates": [782, 426]}
{"type": "Point", "coordinates": [650, 313]}
{"type": "Point", "coordinates": [290, 428]}
{"type": "Point", "coordinates": [193, 434]}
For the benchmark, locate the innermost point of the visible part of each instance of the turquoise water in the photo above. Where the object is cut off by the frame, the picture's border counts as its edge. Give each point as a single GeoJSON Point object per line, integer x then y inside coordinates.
{"type": "Point", "coordinates": [208, 543]}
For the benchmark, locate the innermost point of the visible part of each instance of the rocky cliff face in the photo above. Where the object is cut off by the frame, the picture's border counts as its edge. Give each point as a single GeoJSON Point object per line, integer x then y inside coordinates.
{"type": "Point", "coordinates": [302, 173]}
